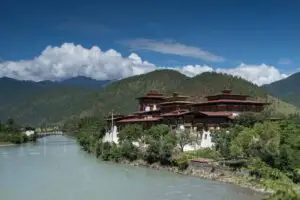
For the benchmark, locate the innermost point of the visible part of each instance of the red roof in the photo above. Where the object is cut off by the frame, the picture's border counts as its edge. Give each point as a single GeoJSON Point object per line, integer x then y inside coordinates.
{"type": "Point", "coordinates": [217, 114]}
{"type": "Point", "coordinates": [175, 113]}
{"type": "Point", "coordinates": [176, 102]}
{"type": "Point", "coordinates": [152, 94]}
{"type": "Point", "coordinates": [153, 119]}
{"type": "Point", "coordinates": [202, 160]}
{"type": "Point", "coordinates": [227, 92]}
{"type": "Point", "coordinates": [229, 101]}
{"type": "Point", "coordinates": [149, 111]}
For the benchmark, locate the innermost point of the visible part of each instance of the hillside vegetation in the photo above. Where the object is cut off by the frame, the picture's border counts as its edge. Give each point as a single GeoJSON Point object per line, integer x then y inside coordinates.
{"type": "Point", "coordinates": [33, 105]}
{"type": "Point", "coordinates": [287, 89]}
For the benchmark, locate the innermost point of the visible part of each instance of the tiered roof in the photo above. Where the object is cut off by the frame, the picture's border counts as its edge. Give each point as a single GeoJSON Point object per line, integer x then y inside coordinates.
{"type": "Point", "coordinates": [153, 94]}
{"type": "Point", "coordinates": [226, 94]}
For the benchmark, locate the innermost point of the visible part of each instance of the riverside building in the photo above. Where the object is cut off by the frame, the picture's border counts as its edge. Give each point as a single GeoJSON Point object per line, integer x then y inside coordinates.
{"type": "Point", "coordinates": [176, 111]}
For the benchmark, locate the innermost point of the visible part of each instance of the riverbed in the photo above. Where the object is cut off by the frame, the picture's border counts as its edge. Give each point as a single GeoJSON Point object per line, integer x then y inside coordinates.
{"type": "Point", "coordinates": [56, 168]}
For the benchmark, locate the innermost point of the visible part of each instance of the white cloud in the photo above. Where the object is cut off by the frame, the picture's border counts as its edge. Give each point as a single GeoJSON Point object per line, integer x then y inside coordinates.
{"type": "Point", "coordinates": [258, 74]}
{"type": "Point", "coordinates": [285, 61]}
{"type": "Point", "coordinates": [71, 60]}
{"type": "Point", "coordinates": [171, 47]}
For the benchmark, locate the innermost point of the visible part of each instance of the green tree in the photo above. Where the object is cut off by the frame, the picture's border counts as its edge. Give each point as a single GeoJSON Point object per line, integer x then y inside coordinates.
{"type": "Point", "coordinates": [131, 133]}
{"type": "Point", "coordinates": [129, 151]}
{"type": "Point", "coordinates": [161, 143]}
{"type": "Point", "coordinates": [248, 119]}
{"type": "Point", "coordinates": [184, 137]}
{"type": "Point", "coordinates": [263, 140]}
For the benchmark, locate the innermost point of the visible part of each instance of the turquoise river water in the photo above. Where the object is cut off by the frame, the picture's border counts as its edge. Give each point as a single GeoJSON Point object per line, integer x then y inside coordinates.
{"type": "Point", "coordinates": [55, 168]}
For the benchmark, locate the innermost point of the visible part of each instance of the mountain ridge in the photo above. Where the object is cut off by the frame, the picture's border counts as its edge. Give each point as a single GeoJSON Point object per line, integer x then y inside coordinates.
{"type": "Point", "coordinates": [55, 104]}
{"type": "Point", "coordinates": [287, 89]}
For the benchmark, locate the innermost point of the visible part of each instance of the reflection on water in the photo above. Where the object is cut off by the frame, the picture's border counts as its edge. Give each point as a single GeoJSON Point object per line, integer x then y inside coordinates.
{"type": "Point", "coordinates": [55, 168]}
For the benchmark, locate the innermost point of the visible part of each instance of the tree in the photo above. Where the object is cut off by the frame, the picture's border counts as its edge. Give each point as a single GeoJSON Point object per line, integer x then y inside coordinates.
{"type": "Point", "coordinates": [248, 119]}
{"type": "Point", "coordinates": [131, 133]}
{"type": "Point", "coordinates": [263, 140]}
{"type": "Point", "coordinates": [129, 151]}
{"type": "Point", "coordinates": [161, 143]}
{"type": "Point", "coordinates": [184, 137]}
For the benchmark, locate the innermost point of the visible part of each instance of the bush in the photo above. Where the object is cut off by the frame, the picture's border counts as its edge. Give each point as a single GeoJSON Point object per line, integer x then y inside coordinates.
{"type": "Point", "coordinates": [115, 153]}
{"type": "Point", "coordinates": [151, 155]}
{"type": "Point", "coordinates": [129, 151]}
{"type": "Point", "coordinates": [260, 169]}
{"type": "Point", "coordinates": [287, 194]}
{"type": "Point", "coordinates": [181, 161]}
{"type": "Point", "coordinates": [106, 151]}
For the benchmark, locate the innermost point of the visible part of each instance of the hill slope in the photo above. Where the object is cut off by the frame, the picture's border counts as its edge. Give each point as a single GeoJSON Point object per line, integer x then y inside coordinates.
{"type": "Point", "coordinates": [54, 104]}
{"type": "Point", "coordinates": [121, 95]}
{"type": "Point", "coordinates": [287, 89]}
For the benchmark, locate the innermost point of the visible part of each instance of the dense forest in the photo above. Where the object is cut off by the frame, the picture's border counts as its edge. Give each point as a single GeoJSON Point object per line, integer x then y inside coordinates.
{"type": "Point", "coordinates": [269, 150]}
{"type": "Point", "coordinates": [34, 103]}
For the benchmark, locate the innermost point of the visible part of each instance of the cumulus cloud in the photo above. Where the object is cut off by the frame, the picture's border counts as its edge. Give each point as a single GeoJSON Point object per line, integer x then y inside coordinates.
{"type": "Point", "coordinates": [171, 47]}
{"type": "Point", "coordinates": [69, 60]}
{"type": "Point", "coordinates": [285, 61]}
{"type": "Point", "coordinates": [258, 74]}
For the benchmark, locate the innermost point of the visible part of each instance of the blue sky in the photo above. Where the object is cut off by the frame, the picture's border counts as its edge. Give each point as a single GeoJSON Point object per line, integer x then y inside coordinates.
{"type": "Point", "coordinates": [173, 34]}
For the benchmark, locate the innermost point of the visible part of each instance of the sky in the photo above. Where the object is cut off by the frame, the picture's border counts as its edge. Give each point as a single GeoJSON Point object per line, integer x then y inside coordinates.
{"type": "Point", "coordinates": [105, 40]}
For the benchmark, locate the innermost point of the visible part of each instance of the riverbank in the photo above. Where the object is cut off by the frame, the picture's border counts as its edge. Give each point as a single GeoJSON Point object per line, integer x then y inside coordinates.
{"type": "Point", "coordinates": [242, 181]}
{"type": "Point", "coordinates": [6, 144]}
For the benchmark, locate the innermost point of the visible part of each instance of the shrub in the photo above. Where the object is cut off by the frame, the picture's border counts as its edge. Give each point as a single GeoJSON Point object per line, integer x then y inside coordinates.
{"type": "Point", "coordinates": [129, 151]}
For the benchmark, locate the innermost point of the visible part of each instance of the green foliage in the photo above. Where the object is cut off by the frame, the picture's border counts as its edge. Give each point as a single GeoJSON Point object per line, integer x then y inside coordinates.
{"type": "Point", "coordinates": [106, 151]}
{"type": "Point", "coordinates": [263, 140]}
{"type": "Point", "coordinates": [160, 143]}
{"type": "Point", "coordinates": [223, 138]}
{"type": "Point", "coordinates": [181, 160]}
{"type": "Point", "coordinates": [284, 194]}
{"type": "Point", "coordinates": [261, 170]}
{"type": "Point", "coordinates": [11, 132]}
{"type": "Point", "coordinates": [286, 89]}
{"type": "Point", "coordinates": [184, 138]}
{"type": "Point", "coordinates": [131, 133]}
{"type": "Point", "coordinates": [249, 119]}
{"type": "Point", "coordinates": [129, 151]}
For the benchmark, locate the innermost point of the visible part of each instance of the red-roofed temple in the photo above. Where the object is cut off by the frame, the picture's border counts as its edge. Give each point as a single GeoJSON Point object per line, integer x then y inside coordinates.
{"type": "Point", "coordinates": [177, 112]}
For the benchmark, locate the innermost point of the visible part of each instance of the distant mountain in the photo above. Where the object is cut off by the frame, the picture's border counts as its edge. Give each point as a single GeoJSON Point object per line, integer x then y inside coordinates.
{"type": "Point", "coordinates": [84, 82]}
{"type": "Point", "coordinates": [287, 89]}
{"type": "Point", "coordinates": [32, 103]}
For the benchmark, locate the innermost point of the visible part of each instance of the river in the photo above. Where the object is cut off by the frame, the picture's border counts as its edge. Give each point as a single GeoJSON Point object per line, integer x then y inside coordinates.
{"type": "Point", "coordinates": [56, 169]}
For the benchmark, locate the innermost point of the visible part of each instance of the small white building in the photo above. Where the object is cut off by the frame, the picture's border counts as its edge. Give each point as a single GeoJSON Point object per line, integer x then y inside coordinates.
{"type": "Point", "coordinates": [29, 132]}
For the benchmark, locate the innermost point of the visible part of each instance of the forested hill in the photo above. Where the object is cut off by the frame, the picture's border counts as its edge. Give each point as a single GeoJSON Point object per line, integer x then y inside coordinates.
{"type": "Point", "coordinates": [32, 104]}
{"type": "Point", "coordinates": [287, 89]}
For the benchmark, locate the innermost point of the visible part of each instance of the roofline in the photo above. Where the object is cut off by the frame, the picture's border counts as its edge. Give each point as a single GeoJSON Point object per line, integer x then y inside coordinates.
{"type": "Point", "coordinates": [151, 97]}
{"type": "Point", "coordinates": [216, 95]}
{"type": "Point", "coordinates": [176, 102]}
{"type": "Point", "coordinates": [242, 102]}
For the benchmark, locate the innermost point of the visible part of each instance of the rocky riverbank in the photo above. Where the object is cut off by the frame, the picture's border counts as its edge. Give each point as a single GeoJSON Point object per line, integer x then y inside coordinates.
{"type": "Point", "coordinates": [6, 144]}
{"type": "Point", "coordinates": [242, 181]}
